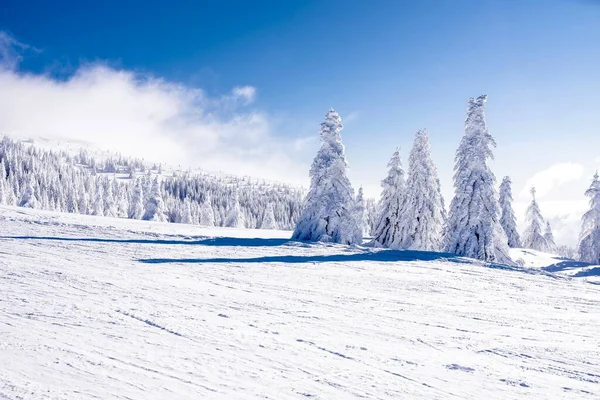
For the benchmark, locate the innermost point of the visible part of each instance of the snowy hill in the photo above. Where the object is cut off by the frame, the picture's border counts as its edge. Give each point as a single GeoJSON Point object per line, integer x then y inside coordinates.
{"type": "Point", "coordinates": [98, 307]}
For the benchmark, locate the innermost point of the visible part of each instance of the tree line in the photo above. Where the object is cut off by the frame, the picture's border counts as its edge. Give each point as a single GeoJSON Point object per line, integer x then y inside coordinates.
{"type": "Point", "coordinates": [128, 188]}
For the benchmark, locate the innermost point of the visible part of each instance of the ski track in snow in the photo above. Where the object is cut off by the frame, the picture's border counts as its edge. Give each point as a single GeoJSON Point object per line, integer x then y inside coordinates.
{"type": "Point", "coordinates": [85, 313]}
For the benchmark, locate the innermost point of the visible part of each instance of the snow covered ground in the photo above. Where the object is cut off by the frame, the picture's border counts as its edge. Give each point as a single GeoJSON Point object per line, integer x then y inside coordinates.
{"type": "Point", "coordinates": [556, 264]}
{"type": "Point", "coordinates": [119, 309]}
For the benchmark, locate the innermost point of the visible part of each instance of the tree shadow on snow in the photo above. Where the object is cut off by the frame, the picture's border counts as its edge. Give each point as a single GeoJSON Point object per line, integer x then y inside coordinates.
{"type": "Point", "coordinates": [379, 256]}
{"type": "Point", "coordinates": [198, 240]}
{"type": "Point", "coordinates": [347, 254]}
{"type": "Point", "coordinates": [588, 272]}
{"type": "Point", "coordinates": [350, 255]}
{"type": "Point", "coordinates": [568, 265]}
{"type": "Point", "coordinates": [565, 265]}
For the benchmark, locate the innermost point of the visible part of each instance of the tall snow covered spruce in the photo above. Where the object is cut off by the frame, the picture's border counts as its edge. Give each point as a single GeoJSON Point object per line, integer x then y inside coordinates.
{"type": "Point", "coordinates": [423, 215]}
{"type": "Point", "coordinates": [508, 219]}
{"type": "Point", "coordinates": [533, 237]}
{"type": "Point", "coordinates": [588, 249]}
{"type": "Point", "coordinates": [473, 228]}
{"type": "Point", "coordinates": [386, 230]}
{"type": "Point", "coordinates": [329, 207]}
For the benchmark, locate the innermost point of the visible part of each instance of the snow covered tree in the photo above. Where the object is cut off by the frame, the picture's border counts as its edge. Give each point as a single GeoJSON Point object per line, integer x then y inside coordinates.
{"type": "Point", "coordinates": [361, 215]}
{"type": "Point", "coordinates": [71, 203]}
{"type": "Point", "coordinates": [533, 237]}
{"type": "Point", "coordinates": [329, 207]}
{"type": "Point", "coordinates": [186, 212]}
{"type": "Point", "coordinates": [98, 203]}
{"type": "Point", "coordinates": [155, 206]}
{"type": "Point", "coordinates": [549, 238]}
{"type": "Point", "coordinates": [473, 228]}
{"type": "Point", "coordinates": [122, 199]}
{"type": "Point", "coordinates": [110, 206]}
{"type": "Point", "coordinates": [83, 201]}
{"type": "Point", "coordinates": [206, 215]}
{"type": "Point", "coordinates": [508, 219]}
{"type": "Point", "coordinates": [268, 220]}
{"type": "Point", "coordinates": [29, 199]}
{"type": "Point", "coordinates": [372, 213]}
{"type": "Point", "coordinates": [390, 205]}
{"type": "Point", "coordinates": [16, 187]}
{"type": "Point", "coordinates": [11, 197]}
{"type": "Point", "coordinates": [235, 217]}
{"type": "Point", "coordinates": [136, 206]}
{"type": "Point", "coordinates": [423, 215]}
{"type": "Point", "coordinates": [3, 189]}
{"type": "Point", "coordinates": [588, 249]}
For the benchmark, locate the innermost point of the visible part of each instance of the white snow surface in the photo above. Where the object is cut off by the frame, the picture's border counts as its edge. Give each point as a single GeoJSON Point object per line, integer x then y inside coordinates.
{"type": "Point", "coordinates": [557, 265]}
{"type": "Point", "coordinates": [95, 307]}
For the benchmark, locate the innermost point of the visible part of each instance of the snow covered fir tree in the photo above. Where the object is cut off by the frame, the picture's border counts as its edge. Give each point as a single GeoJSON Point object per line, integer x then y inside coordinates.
{"type": "Point", "coordinates": [507, 218]}
{"type": "Point", "coordinates": [329, 213]}
{"type": "Point", "coordinates": [423, 215]}
{"type": "Point", "coordinates": [386, 231]}
{"type": "Point", "coordinates": [473, 228]}
{"type": "Point", "coordinates": [533, 238]}
{"type": "Point", "coordinates": [588, 249]}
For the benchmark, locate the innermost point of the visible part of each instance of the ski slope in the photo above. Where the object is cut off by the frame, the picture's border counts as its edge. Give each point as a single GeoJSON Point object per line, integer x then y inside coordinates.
{"type": "Point", "coordinates": [122, 309]}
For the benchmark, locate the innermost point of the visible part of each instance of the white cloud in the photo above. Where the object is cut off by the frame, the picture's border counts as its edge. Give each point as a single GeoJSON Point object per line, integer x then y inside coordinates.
{"type": "Point", "coordinates": [556, 175]}
{"type": "Point", "coordinates": [11, 51]}
{"type": "Point", "coordinates": [146, 117]}
{"type": "Point", "coordinates": [246, 94]}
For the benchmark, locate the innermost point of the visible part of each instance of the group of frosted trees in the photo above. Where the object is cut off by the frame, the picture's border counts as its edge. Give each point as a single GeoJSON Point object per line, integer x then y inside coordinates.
{"type": "Point", "coordinates": [125, 188]}
{"type": "Point", "coordinates": [411, 212]}
{"type": "Point", "coordinates": [538, 233]}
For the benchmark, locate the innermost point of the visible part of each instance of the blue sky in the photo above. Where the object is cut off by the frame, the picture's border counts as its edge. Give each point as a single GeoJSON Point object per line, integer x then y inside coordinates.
{"type": "Point", "coordinates": [389, 68]}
